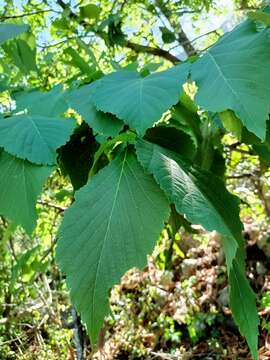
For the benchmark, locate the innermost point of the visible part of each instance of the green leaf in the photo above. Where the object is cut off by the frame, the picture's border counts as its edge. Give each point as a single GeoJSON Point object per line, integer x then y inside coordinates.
{"type": "Point", "coordinates": [200, 196]}
{"type": "Point", "coordinates": [4, 85]}
{"type": "Point", "coordinates": [172, 139]}
{"type": "Point", "coordinates": [22, 265]}
{"type": "Point", "coordinates": [90, 11]}
{"type": "Point", "coordinates": [61, 23]}
{"type": "Point", "coordinates": [263, 151]}
{"type": "Point", "coordinates": [79, 62]}
{"type": "Point", "coordinates": [81, 100]}
{"type": "Point", "coordinates": [90, 53]}
{"type": "Point", "coordinates": [10, 31]}
{"type": "Point", "coordinates": [111, 227]}
{"type": "Point", "coordinates": [52, 103]}
{"type": "Point", "coordinates": [218, 165]}
{"type": "Point", "coordinates": [167, 36]}
{"type": "Point", "coordinates": [243, 305]}
{"type": "Point", "coordinates": [234, 74]}
{"type": "Point", "coordinates": [185, 117]}
{"type": "Point", "coordinates": [260, 16]}
{"type": "Point", "coordinates": [248, 137]}
{"type": "Point", "coordinates": [22, 54]}
{"type": "Point", "coordinates": [34, 138]}
{"type": "Point", "coordinates": [140, 102]}
{"type": "Point", "coordinates": [20, 182]}
{"type": "Point", "coordinates": [77, 155]}
{"type": "Point", "coordinates": [231, 123]}
{"type": "Point", "coordinates": [149, 68]}
{"type": "Point", "coordinates": [204, 200]}
{"type": "Point", "coordinates": [110, 145]}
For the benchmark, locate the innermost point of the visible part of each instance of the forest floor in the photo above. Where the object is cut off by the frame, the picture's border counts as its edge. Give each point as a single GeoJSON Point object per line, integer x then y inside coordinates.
{"type": "Point", "coordinates": [182, 312]}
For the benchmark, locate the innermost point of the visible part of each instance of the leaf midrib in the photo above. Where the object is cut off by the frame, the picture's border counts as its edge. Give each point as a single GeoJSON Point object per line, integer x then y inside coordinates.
{"type": "Point", "coordinates": [106, 234]}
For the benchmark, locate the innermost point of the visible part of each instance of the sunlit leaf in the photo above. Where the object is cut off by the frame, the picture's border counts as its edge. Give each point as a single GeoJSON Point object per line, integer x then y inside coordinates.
{"type": "Point", "coordinates": [34, 138]}
{"type": "Point", "coordinates": [234, 74]}
{"type": "Point", "coordinates": [138, 101]}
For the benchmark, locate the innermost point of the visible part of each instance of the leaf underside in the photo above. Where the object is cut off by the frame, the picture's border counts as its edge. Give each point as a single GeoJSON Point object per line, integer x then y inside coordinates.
{"type": "Point", "coordinates": [21, 183]}
{"type": "Point", "coordinates": [234, 74]}
{"type": "Point", "coordinates": [81, 100]}
{"type": "Point", "coordinates": [197, 195]}
{"type": "Point", "coordinates": [35, 137]}
{"type": "Point", "coordinates": [140, 102]}
{"type": "Point", "coordinates": [113, 224]}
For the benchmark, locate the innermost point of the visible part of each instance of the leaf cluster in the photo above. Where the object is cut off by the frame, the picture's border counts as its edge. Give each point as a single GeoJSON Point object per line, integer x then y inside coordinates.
{"type": "Point", "coordinates": [135, 145]}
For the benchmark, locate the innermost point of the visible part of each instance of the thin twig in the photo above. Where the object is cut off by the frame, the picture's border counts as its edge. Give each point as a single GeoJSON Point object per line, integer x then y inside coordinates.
{"type": "Point", "coordinates": [11, 244]}
{"type": "Point", "coordinates": [6, 17]}
{"type": "Point", "coordinates": [203, 35]}
{"type": "Point", "coordinates": [248, 175]}
{"type": "Point", "coordinates": [63, 41]}
{"type": "Point", "coordinates": [153, 51]}
{"type": "Point", "coordinates": [234, 147]}
{"type": "Point", "coordinates": [128, 44]}
{"type": "Point", "coordinates": [164, 356]}
{"type": "Point", "coordinates": [49, 251]}
{"type": "Point", "coordinates": [52, 205]}
{"type": "Point", "coordinates": [78, 335]}
{"type": "Point", "coordinates": [12, 340]}
{"type": "Point", "coordinates": [177, 28]}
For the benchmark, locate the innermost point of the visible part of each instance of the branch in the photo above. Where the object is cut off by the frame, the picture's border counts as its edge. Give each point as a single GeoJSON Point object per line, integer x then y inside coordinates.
{"type": "Point", "coordinates": [128, 44]}
{"type": "Point", "coordinates": [62, 4]}
{"type": "Point", "coordinates": [153, 51]}
{"type": "Point", "coordinates": [185, 42]}
{"type": "Point", "coordinates": [183, 12]}
{"type": "Point", "coordinates": [241, 176]}
{"type": "Point", "coordinates": [79, 336]}
{"type": "Point", "coordinates": [6, 17]}
{"type": "Point", "coordinates": [62, 41]}
{"type": "Point", "coordinates": [234, 147]}
{"type": "Point", "coordinates": [215, 31]}
{"type": "Point", "coordinates": [163, 356]}
{"type": "Point", "coordinates": [12, 248]}
{"type": "Point", "coordinates": [48, 251]}
{"type": "Point", "coordinates": [66, 7]}
{"type": "Point", "coordinates": [178, 29]}
{"type": "Point", "coordinates": [51, 205]}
